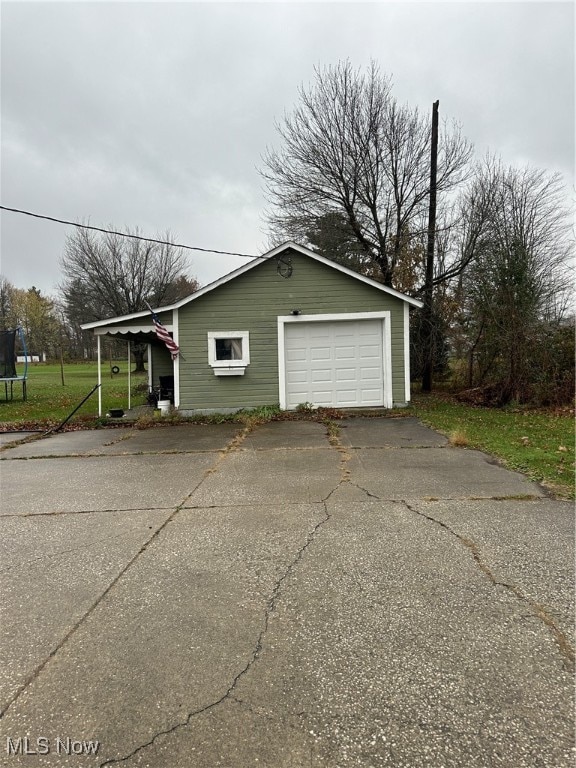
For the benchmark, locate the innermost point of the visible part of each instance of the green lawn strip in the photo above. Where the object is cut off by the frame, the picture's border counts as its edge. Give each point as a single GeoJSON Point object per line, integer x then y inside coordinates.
{"type": "Point", "coordinates": [48, 401]}
{"type": "Point", "coordinates": [541, 445]}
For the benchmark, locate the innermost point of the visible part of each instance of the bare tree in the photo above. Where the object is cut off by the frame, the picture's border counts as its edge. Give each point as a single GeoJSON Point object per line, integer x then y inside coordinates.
{"type": "Point", "coordinates": [109, 275]}
{"type": "Point", "coordinates": [350, 149]}
{"type": "Point", "coordinates": [118, 274]}
{"type": "Point", "coordinates": [517, 241]}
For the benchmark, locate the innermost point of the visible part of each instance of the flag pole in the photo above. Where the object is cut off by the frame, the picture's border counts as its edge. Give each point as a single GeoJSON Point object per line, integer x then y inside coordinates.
{"type": "Point", "coordinates": [163, 335]}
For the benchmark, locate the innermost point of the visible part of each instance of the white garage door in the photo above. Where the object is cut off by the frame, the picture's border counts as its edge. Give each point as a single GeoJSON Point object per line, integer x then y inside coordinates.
{"type": "Point", "coordinates": [334, 363]}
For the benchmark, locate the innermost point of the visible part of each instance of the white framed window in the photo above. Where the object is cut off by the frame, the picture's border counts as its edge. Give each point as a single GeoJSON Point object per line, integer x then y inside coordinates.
{"type": "Point", "coordinates": [229, 352]}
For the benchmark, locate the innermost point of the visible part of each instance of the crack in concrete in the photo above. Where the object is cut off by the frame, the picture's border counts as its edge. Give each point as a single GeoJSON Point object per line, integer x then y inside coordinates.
{"type": "Point", "coordinates": [45, 435]}
{"type": "Point", "coordinates": [40, 667]}
{"type": "Point", "coordinates": [537, 609]}
{"type": "Point", "coordinates": [58, 513]}
{"type": "Point", "coordinates": [22, 441]}
{"type": "Point", "coordinates": [64, 640]}
{"type": "Point", "coordinates": [345, 477]}
{"type": "Point", "coordinates": [247, 505]}
{"type": "Point", "coordinates": [333, 435]}
{"type": "Point", "coordinates": [293, 449]}
{"type": "Point", "coordinates": [509, 497]}
{"type": "Point", "coordinates": [395, 447]}
{"type": "Point", "coordinates": [233, 445]}
{"type": "Point", "coordinates": [122, 454]}
{"type": "Point", "coordinates": [368, 493]}
{"type": "Point", "coordinates": [256, 652]}
{"type": "Point", "coordinates": [79, 548]}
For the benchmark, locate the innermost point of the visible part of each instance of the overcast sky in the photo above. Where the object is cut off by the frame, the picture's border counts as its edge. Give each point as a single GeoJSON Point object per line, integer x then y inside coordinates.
{"type": "Point", "coordinates": [156, 115]}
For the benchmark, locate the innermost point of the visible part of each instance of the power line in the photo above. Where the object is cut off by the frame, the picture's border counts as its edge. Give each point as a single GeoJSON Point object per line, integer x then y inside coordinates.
{"type": "Point", "coordinates": [125, 234]}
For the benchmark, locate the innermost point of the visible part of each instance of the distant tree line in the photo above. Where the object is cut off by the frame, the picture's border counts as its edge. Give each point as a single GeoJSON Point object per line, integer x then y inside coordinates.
{"type": "Point", "coordinates": [103, 276]}
{"type": "Point", "coordinates": [36, 314]}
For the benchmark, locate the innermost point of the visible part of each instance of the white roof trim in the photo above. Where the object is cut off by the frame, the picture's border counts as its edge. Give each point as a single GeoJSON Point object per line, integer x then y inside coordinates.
{"type": "Point", "coordinates": [307, 252]}
{"type": "Point", "coordinates": [349, 272]}
{"type": "Point", "coordinates": [123, 318]}
{"type": "Point", "coordinates": [250, 265]}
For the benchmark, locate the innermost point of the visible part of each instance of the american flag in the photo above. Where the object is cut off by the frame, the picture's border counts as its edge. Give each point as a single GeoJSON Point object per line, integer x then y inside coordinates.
{"type": "Point", "coordinates": [163, 335]}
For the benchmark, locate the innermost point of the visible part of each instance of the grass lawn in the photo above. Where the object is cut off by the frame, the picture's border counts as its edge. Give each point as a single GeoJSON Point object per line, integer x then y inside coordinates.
{"type": "Point", "coordinates": [48, 401]}
{"type": "Point", "coordinates": [538, 443]}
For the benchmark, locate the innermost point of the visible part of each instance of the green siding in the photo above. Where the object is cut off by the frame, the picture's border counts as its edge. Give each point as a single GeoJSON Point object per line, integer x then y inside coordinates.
{"type": "Point", "coordinates": [252, 302]}
{"type": "Point", "coordinates": [162, 364]}
{"type": "Point", "coordinates": [144, 322]}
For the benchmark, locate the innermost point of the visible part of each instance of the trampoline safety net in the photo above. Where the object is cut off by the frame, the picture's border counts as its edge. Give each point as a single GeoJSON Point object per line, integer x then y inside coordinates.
{"type": "Point", "coordinates": [8, 354]}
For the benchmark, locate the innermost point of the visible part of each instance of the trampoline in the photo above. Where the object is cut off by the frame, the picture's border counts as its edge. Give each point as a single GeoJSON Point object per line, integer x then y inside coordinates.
{"type": "Point", "coordinates": [8, 372]}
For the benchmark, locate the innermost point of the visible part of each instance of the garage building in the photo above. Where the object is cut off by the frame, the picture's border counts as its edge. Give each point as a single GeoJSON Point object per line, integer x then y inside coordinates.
{"type": "Point", "coordinates": [289, 327]}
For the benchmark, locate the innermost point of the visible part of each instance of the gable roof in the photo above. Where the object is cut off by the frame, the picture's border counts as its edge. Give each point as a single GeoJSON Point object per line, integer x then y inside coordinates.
{"type": "Point", "coordinates": [246, 268]}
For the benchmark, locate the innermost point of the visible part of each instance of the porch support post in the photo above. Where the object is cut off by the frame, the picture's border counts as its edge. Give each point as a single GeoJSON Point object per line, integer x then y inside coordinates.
{"type": "Point", "coordinates": [149, 367]}
{"type": "Point", "coordinates": [129, 378]}
{"type": "Point", "coordinates": [176, 363]}
{"type": "Point", "coordinates": [99, 355]}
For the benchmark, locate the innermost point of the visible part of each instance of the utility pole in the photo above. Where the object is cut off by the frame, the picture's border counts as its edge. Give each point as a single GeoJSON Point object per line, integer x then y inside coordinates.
{"type": "Point", "coordinates": [427, 313]}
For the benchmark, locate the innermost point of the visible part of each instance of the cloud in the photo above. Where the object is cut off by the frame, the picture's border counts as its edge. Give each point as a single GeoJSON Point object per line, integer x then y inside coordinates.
{"type": "Point", "coordinates": [156, 115]}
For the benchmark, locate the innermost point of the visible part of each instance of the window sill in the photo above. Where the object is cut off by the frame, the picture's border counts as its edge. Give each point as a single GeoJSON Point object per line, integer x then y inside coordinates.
{"type": "Point", "coordinates": [236, 370]}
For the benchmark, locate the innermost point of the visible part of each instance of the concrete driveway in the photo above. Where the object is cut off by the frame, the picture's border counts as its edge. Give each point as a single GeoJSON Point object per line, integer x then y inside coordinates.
{"type": "Point", "coordinates": [201, 596]}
